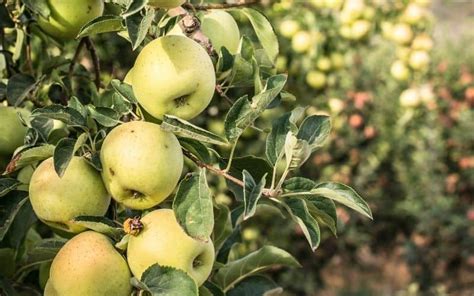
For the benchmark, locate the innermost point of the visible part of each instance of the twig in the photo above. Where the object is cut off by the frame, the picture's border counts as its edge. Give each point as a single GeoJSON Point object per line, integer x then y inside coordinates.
{"type": "Point", "coordinates": [266, 192]}
{"type": "Point", "coordinates": [75, 57]}
{"type": "Point", "coordinates": [95, 60]}
{"type": "Point", "coordinates": [221, 93]}
{"type": "Point", "coordinates": [220, 5]}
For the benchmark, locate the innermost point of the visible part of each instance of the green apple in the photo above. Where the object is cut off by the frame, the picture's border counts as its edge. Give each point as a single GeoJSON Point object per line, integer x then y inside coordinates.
{"type": "Point", "coordinates": [165, 3]}
{"type": "Point", "coordinates": [162, 241]}
{"type": "Point", "coordinates": [88, 264]}
{"type": "Point", "coordinates": [12, 131]}
{"type": "Point", "coordinates": [173, 75]}
{"type": "Point", "coordinates": [410, 98]}
{"type": "Point", "coordinates": [400, 71]}
{"type": "Point", "coordinates": [67, 17]}
{"type": "Point", "coordinates": [401, 33]}
{"type": "Point", "coordinates": [419, 60]}
{"type": "Point", "coordinates": [337, 60]}
{"type": "Point", "coordinates": [302, 41]}
{"type": "Point", "coordinates": [288, 28]}
{"type": "Point", "coordinates": [141, 164]}
{"type": "Point", "coordinates": [316, 79]}
{"type": "Point", "coordinates": [79, 192]}
{"type": "Point", "coordinates": [220, 27]}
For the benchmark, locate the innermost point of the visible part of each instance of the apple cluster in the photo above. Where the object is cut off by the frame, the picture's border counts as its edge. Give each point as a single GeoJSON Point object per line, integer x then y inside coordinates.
{"type": "Point", "coordinates": [172, 75]}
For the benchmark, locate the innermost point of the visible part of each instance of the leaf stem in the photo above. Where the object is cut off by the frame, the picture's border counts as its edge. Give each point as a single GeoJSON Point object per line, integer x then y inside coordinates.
{"type": "Point", "coordinates": [266, 192]}
{"type": "Point", "coordinates": [231, 156]}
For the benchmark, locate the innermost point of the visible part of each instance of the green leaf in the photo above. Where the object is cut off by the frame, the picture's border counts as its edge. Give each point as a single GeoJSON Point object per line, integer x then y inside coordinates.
{"type": "Point", "coordinates": [193, 206]}
{"type": "Point", "coordinates": [67, 115]}
{"type": "Point", "coordinates": [7, 185]}
{"type": "Point", "coordinates": [63, 154]}
{"type": "Point", "coordinates": [185, 129]}
{"type": "Point", "coordinates": [107, 117]}
{"type": "Point", "coordinates": [31, 156]}
{"type": "Point", "coordinates": [222, 225]}
{"type": "Point", "coordinates": [18, 87]}
{"type": "Point", "coordinates": [167, 281]}
{"type": "Point", "coordinates": [138, 26]}
{"type": "Point", "coordinates": [255, 262]}
{"type": "Point", "coordinates": [242, 72]}
{"type": "Point", "coordinates": [263, 30]}
{"type": "Point", "coordinates": [308, 224]}
{"type": "Point", "coordinates": [298, 184]}
{"type": "Point", "coordinates": [323, 210]}
{"type": "Point", "coordinates": [252, 193]}
{"type": "Point", "coordinates": [40, 7]}
{"type": "Point", "coordinates": [10, 206]}
{"type": "Point", "coordinates": [315, 130]}
{"type": "Point", "coordinates": [197, 148]}
{"type": "Point", "coordinates": [344, 195]}
{"type": "Point", "coordinates": [255, 286]}
{"type": "Point", "coordinates": [102, 24]}
{"type": "Point", "coordinates": [236, 119]}
{"type": "Point", "coordinates": [134, 7]}
{"type": "Point", "coordinates": [124, 90]}
{"type": "Point", "coordinates": [45, 250]}
{"type": "Point", "coordinates": [100, 224]}
{"type": "Point", "coordinates": [296, 151]}
{"type": "Point", "coordinates": [273, 88]}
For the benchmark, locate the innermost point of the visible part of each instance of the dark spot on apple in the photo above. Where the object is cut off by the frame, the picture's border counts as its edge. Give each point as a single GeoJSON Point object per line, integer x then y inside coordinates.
{"type": "Point", "coordinates": [181, 101]}
{"type": "Point", "coordinates": [136, 194]}
{"type": "Point", "coordinates": [132, 131]}
{"type": "Point", "coordinates": [166, 146]}
{"type": "Point", "coordinates": [89, 8]}
{"type": "Point", "coordinates": [112, 172]}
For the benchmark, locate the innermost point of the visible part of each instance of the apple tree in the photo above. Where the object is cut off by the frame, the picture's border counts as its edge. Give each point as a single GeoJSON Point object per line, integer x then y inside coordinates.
{"type": "Point", "coordinates": [109, 179]}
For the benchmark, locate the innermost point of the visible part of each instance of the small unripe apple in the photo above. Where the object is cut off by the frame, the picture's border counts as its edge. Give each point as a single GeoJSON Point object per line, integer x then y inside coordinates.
{"type": "Point", "coordinates": [281, 63]}
{"type": "Point", "coordinates": [323, 64]}
{"type": "Point", "coordinates": [67, 17]}
{"type": "Point", "coordinates": [410, 98]}
{"type": "Point", "coordinates": [173, 75]}
{"type": "Point", "coordinates": [166, 3]}
{"type": "Point", "coordinates": [141, 164]}
{"type": "Point", "coordinates": [316, 79]}
{"type": "Point", "coordinates": [301, 42]}
{"type": "Point", "coordinates": [419, 60]}
{"type": "Point", "coordinates": [422, 42]}
{"type": "Point", "coordinates": [162, 241]}
{"type": "Point", "coordinates": [401, 33]}
{"type": "Point", "coordinates": [88, 264]}
{"type": "Point", "coordinates": [369, 13]}
{"type": "Point", "coordinates": [57, 200]}
{"type": "Point", "coordinates": [400, 71]}
{"type": "Point", "coordinates": [337, 60]}
{"type": "Point", "coordinates": [352, 10]}
{"type": "Point", "coordinates": [336, 105]}
{"type": "Point", "coordinates": [12, 131]}
{"type": "Point", "coordinates": [288, 28]}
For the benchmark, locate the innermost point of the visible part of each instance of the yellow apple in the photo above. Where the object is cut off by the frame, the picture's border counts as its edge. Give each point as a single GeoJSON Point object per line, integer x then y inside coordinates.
{"type": "Point", "coordinates": [220, 27]}
{"type": "Point", "coordinates": [401, 33]}
{"type": "Point", "coordinates": [165, 3]}
{"type": "Point", "coordinates": [400, 71]}
{"type": "Point", "coordinates": [141, 164]}
{"type": "Point", "coordinates": [79, 192]}
{"type": "Point", "coordinates": [173, 75]}
{"type": "Point", "coordinates": [419, 60]}
{"type": "Point", "coordinates": [12, 131]}
{"type": "Point", "coordinates": [422, 42]}
{"type": "Point", "coordinates": [67, 17]}
{"type": "Point", "coordinates": [288, 28]}
{"type": "Point", "coordinates": [162, 241]}
{"type": "Point", "coordinates": [337, 60]}
{"type": "Point", "coordinates": [88, 264]}
{"type": "Point", "coordinates": [323, 64]}
{"type": "Point", "coordinates": [301, 41]}
{"type": "Point", "coordinates": [316, 79]}
{"type": "Point", "coordinates": [360, 29]}
{"type": "Point", "coordinates": [413, 13]}
{"type": "Point", "coordinates": [410, 98]}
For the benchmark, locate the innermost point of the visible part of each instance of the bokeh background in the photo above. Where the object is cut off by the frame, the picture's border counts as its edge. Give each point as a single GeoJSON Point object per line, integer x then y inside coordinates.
{"type": "Point", "coordinates": [397, 78]}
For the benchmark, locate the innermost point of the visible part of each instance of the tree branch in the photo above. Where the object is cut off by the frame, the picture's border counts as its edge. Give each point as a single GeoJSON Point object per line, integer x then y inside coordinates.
{"type": "Point", "coordinates": [95, 60]}
{"type": "Point", "coordinates": [220, 5]}
{"type": "Point", "coordinates": [266, 192]}
{"type": "Point", "coordinates": [79, 48]}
